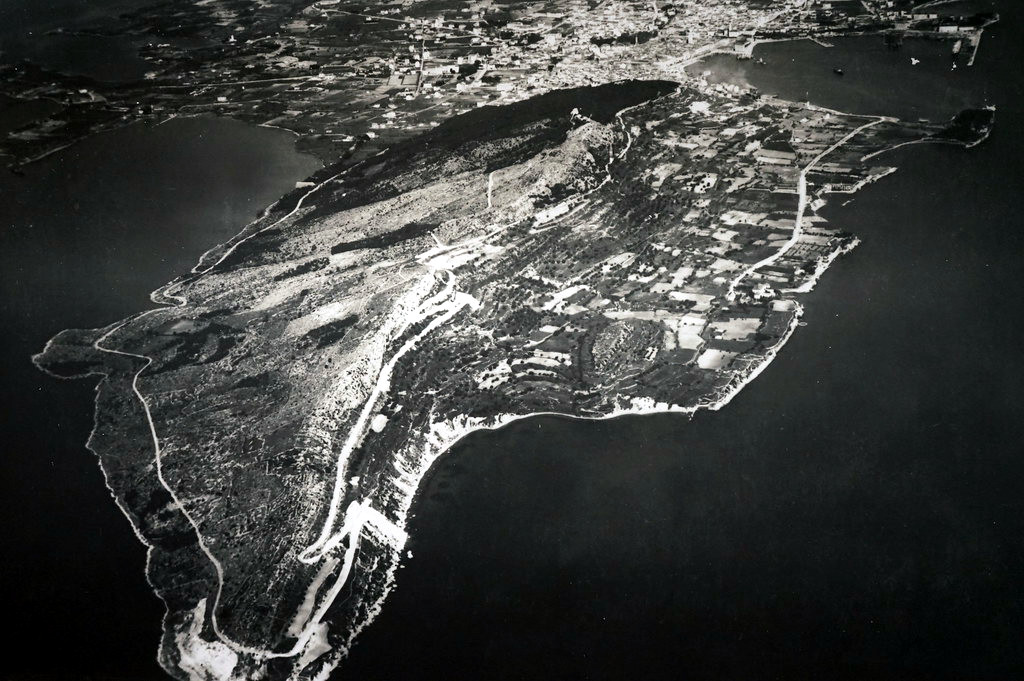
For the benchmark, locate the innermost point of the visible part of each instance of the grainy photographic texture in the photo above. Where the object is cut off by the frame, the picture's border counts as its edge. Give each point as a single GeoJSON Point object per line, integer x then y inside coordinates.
{"type": "Point", "coordinates": [564, 339]}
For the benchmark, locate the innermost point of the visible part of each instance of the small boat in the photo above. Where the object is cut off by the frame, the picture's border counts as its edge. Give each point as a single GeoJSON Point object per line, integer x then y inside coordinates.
{"type": "Point", "coordinates": [838, 71]}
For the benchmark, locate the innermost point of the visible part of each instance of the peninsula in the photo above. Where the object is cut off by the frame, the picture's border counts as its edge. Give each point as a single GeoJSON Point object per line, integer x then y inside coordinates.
{"type": "Point", "coordinates": [611, 244]}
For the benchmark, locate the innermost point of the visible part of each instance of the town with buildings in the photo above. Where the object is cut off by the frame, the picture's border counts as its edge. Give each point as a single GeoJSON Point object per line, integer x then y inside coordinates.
{"type": "Point", "coordinates": [352, 79]}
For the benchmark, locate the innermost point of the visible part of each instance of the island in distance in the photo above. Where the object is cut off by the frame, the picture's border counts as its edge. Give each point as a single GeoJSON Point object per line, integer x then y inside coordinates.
{"type": "Point", "coordinates": [629, 247]}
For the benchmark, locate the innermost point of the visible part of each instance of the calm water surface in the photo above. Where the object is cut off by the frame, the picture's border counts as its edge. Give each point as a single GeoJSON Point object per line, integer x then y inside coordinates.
{"type": "Point", "coordinates": [876, 80]}
{"type": "Point", "coordinates": [15, 113]}
{"type": "Point", "coordinates": [84, 237]}
{"type": "Point", "coordinates": [856, 513]}
{"type": "Point", "coordinates": [104, 59]}
{"type": "Point", "coordinates": [27, 32]}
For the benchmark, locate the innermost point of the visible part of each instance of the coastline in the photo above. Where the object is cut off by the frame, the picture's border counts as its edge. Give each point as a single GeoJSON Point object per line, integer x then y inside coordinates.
{"type": "Point", "coordinates": [446, 435]}
{"type": "Point", "coordinates": [165, 297]}
{"type": "Point", "coordinates": [114, 126]}
{"type": "Point", "coordinates": [442, 436]}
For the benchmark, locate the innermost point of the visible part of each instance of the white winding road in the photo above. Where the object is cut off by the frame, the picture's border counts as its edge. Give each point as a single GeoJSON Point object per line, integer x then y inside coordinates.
{"type": "Point", "coordinates": [180, 301]}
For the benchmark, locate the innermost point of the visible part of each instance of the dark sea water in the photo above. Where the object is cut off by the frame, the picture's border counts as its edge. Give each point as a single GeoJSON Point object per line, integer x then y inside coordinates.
{"type": "Point", "coordinates": [28, 30]}
{"type": "Point", "coordinates": [855, 513]}
{"type": "Point", "coordinates": [15, 113]}
{"type": "Point", "coordinates": [875, 80]}
{"type": "Point", "coordinates": [21, 17]}
{"type": "Point", "coordinates": [84, 237]}
{"type": "Point", "coordinates": [102, 58]}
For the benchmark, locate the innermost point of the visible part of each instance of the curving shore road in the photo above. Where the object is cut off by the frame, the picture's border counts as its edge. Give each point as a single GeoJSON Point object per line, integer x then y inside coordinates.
{"type": "Point", "coordinates": [179, 301]}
